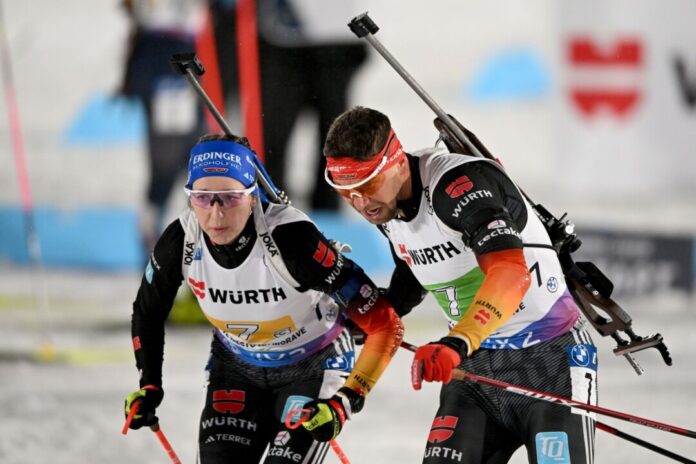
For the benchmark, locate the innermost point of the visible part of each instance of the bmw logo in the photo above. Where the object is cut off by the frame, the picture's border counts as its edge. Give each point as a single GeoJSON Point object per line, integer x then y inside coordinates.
{"type": "Point", "coordinates": [580, 355]}
{"type": "Point", "coordinates": [552, 284]}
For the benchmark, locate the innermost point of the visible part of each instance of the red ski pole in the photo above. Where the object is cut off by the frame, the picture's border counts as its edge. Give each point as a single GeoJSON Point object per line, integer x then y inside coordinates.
{"type": "Point", "coordinates": [459, 374]}
{"type": "Point", "coordinates": [155, 428]}
{"type": "Point", "coordinates": [165, 443]}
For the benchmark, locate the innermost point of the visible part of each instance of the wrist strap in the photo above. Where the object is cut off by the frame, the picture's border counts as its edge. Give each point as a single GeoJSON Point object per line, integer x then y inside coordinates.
{"type": "Point", "coordinates": [340, 410]}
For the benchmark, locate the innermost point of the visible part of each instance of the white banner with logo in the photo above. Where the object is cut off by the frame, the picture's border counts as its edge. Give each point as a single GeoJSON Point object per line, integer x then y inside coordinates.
{"type": "Point", "coordinates": [626, 125]}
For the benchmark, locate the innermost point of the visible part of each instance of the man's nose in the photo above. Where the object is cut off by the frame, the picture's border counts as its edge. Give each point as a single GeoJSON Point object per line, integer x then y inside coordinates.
{"type": "Point", "coordinates": [360, 201]}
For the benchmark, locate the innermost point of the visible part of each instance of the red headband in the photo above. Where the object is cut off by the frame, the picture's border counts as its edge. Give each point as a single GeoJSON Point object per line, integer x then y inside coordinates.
{"type": "Point", "coordinates": [346, 168]}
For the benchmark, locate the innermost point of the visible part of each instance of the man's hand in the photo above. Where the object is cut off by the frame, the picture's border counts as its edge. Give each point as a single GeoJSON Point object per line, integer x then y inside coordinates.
{"type": "Point", "coordinates": [149, 397]}
{"type": "Point", "coordinates": [434, 362]}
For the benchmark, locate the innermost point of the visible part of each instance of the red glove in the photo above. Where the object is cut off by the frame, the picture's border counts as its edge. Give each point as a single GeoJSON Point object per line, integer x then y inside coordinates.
{"type": "Point", "coordinates": [433, 363]}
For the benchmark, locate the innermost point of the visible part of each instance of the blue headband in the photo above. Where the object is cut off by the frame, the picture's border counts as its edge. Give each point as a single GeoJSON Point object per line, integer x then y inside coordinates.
{"type": "Point", "coordinates": [221, 158]}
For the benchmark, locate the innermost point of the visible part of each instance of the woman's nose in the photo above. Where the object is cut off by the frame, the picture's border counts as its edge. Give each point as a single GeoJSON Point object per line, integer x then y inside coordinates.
{"type": "Point", "coordinates": [216, 208]}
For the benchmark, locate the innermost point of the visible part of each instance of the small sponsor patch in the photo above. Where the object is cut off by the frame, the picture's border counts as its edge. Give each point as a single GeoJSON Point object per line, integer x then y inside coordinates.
{"type": "Point", "coordinates": [366, 290]}
{"type": "Point", "coordinates": [442, 429]}
{"type": "Point", "coordinates": [282, 438]}
{"type": "Point", "coordinates": [552, 284]}
{"type": "Point", "coordinates": [324, 255]}
{"type": "Point", "coordinates": [331, 314]}
{"type": "Point", "coordinates": [552, 448]}
{"type": "Point", "coordinates": [216, 170]}
{"type": "Point", "coordinates": [460, 186]}
{"type": "Point", "coordinates": [341, 362]}
{"type": "Point", "coordinates": [149, 272]}
{"type": "Point", "coordinates": [583, 356]}
{"type": "Point", "coordinates": [496, 224]}
{"type": "Point", "coordinates": [229, 401]}
{"type": "Point", "coordinates": [292, 403]}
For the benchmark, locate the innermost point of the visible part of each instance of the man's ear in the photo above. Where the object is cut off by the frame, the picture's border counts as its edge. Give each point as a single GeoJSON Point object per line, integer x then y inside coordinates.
{"type": "Point", "coordinates": [404, 168]}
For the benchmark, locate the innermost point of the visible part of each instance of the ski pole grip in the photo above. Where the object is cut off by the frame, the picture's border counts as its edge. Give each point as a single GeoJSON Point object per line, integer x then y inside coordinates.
{"type": "Point", "coordinates": [363, 25]}
{"type": "Point", "coordinates": [182, 62]}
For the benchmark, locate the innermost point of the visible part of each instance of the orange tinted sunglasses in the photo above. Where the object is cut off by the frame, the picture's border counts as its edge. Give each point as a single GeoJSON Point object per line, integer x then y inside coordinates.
{"type": "Point", "coordinates": [367, 189]}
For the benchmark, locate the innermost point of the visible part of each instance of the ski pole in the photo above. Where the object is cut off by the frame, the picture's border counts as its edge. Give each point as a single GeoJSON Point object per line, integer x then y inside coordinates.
{"type": "Point", "coordinates": [42, 306]}
{"type": "Point", "coordinates": [155, 428]}
{"type": "Point", "coordinates": [188, 65]}
{"type": "Point", "coordinates": [165, 443]}
{"type": "Point", "coordinates": [304, 415]}
{"type": "Point", "coordinates": [643, 443]}
{"type": "Point", "coordinates": [459, 374]}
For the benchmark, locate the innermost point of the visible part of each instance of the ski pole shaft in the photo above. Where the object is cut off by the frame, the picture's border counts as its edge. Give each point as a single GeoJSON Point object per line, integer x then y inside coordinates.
{"type": "Point", "coordinates": [33, 243]}
{"type": "Point", "coordinates": [188, 65]}
{"type": "Point", "coordinates": [131, 415]}
{"type": "Point", "coordinates": [339, 452]}
{"type": "Point", "coordinates": [165, 443]}
{"type": "Point", "coordinates": [643, 443]}
{"type": "Point", "coordinates": [363, 27]}
{"type": "Point", "coordinates": [155, 428]}
{"type": "Point", "coordinates": [459, 374]}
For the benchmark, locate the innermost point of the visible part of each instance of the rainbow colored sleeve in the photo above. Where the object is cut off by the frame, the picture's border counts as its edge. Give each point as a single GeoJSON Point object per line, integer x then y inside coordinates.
{"type": "Point", "coordinates": [384, 334]}
{"type": "Point", "coordinates": [507, 280]}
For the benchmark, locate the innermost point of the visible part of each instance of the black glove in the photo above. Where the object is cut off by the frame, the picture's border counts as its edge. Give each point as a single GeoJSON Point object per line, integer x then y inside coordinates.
{"type": "Point", "coordinates": [148, 398]}
{"type": "Point", "coordinates": [328, 416]}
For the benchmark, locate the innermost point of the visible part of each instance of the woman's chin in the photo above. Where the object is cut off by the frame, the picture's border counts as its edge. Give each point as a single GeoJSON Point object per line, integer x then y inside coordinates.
{"type": "Point", "coordinates": [221, 236]}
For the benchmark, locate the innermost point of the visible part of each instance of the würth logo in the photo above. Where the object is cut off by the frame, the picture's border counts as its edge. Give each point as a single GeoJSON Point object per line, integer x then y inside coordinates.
{"type": "Point", "coordinates": [458, 187]}
{"type": "Point", "coordinates": [197, 287]}
{"type": "Point", "coordinates": [324, 255]}
{"type": "Point", "coordinates": [443, 428]}
{"type": "Point", "coordinates": [405, 255]}
{"type": "Point", "coordinates": [428, 255]}
{"type": "Point", "coordinates": [605, 77]}
{"type": "Point", "coordinates": [229, 401]}
{"type": "Point", "coordinates": [482, 316]}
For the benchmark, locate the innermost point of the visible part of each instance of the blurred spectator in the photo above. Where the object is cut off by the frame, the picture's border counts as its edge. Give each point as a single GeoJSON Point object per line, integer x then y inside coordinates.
{"type": "Point", "coordinates": [308, 58]}
{"type": "Point", "coordinates": [160, 28]}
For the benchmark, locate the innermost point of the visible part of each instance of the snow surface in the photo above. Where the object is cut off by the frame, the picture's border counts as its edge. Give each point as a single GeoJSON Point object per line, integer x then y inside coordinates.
{"type": "Point", "coordinates": [70, 410]}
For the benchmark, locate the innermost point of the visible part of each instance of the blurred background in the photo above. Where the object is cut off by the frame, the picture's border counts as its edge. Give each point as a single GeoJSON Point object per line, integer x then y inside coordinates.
{"type": "Point", "coordinates": [590, 106]}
